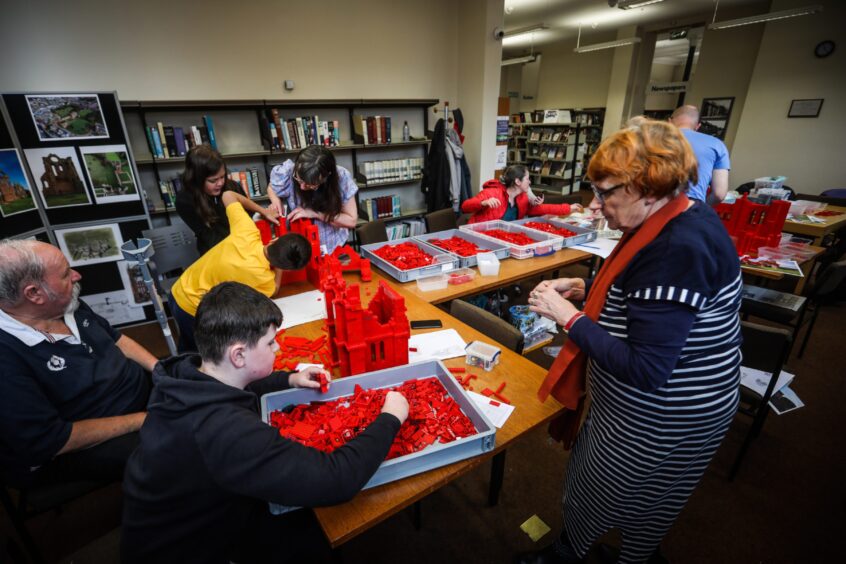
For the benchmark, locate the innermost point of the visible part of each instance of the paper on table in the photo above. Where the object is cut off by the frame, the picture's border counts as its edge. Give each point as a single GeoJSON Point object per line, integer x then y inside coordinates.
{"type": "Point", "coordinates": [785, 400]}
{"type": "Point", "coordinates": [600, 247]}
{"type": "Point", "coordinates": [437, 345]}
{"type": "Point", "coordinates": [301, 308]}
{"type": "Point", "coordinates": [116, 307]}
{"type": "Point", "coordinates": [498, 414]}
{"type": "Point", "coordinates": [757, 380]}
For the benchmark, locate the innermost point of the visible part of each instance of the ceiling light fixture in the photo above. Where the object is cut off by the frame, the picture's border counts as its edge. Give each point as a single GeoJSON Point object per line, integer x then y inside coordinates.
{"type": "Point", "coordinates": [518, 60]}
{"type": "Point", "coordinates": [633, 4]}
{"type": "Point", "coordinates": [599, 46]}
{"type": "Point", "coordinates": [510, 34]}
{"type": "Point", "coordinates": [772, 16]}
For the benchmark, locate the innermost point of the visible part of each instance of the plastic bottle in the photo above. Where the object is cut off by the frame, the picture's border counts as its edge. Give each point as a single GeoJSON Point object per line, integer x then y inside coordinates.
{"type": "Point", "coordinates": [406, 134]}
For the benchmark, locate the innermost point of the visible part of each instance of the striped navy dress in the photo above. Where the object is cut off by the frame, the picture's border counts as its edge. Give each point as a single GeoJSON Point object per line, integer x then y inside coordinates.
{"type": "Point", "coordinates": [663, 382]}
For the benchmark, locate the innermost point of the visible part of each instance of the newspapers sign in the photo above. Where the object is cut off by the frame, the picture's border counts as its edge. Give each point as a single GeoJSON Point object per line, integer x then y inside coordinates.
{"type": "Point", "coordinates": [667, 88]}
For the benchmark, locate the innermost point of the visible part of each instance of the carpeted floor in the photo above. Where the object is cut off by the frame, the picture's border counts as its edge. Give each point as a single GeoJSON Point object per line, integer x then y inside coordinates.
{"type": "Point", "coordinates": [787, 505]}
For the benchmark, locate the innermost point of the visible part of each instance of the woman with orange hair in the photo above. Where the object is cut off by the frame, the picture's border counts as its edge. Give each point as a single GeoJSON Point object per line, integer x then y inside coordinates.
{"type": "Point", "coordinates": [658, 338]}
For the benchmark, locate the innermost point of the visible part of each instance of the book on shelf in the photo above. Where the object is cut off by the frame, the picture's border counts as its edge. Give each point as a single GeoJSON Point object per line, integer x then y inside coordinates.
{"type": "Point", "coordinates": [382, 207]}
{"type": "Point", "coordinates": [299, 132]}
{"type": "Point", "coordinates": [209, 123]}
{"type": "Point", "coordinates": [179, 138]}
{"type": "Point", "coordinates": [546, 168]}
{"type": "Point", "coordinates": [256, 184]}
{"type": "Point", "coordinates": [556, 116]}
{"type": "Point", "coordinates": [371, 130]}
{"type": "Point", "coordinates": [170, 140]}
{"type": "Point", "coordinates": [534, 135]}
{"type": "Point", "coordinates": [156, 149]}
{"type": "Point", "coordinates": [248, 180]}
{"type": "Point", "coordinates": [162, 138]}
{"type": "Point", "coordinates": [390, 170]}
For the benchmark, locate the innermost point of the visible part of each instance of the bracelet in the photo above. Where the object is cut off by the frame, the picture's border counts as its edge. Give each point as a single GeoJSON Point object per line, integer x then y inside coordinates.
{"type": "Point", "coordinates": [569, 325]}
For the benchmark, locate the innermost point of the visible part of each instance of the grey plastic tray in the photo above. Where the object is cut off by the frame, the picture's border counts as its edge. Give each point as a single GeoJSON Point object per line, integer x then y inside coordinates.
{"type": "Point", "coordinates": [444, 262]}
{"type": "Point", "coordinates": [499, 249]}
{"type": "Point", "coordinates": [544, 243]}
{"type": "Point", "coordinates": [582, 234]}
{"type": "Point", "coordinates": [433, 456]}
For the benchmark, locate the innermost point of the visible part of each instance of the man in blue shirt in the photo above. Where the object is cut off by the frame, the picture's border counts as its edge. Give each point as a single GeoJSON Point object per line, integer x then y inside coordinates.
{"type": "Point", "coordinates": [73, 391]}
{"type": "Point", "coordinates": [711, 154]}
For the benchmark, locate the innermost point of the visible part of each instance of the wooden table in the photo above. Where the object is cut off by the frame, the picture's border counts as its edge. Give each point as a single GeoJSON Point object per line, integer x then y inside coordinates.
{"type": "Point", "coordinates": [818, 230]}
{"type": "Point", "coordinates": [806, 266]}
{"type": "Point", "coordinates": [343, 522]}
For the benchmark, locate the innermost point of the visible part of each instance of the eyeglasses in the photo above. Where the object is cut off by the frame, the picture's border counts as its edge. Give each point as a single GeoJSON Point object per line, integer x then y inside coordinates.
{"type": "Point", "coordinates": [306, 186]}
{"type": "Point", "coordinates": [601, 195]}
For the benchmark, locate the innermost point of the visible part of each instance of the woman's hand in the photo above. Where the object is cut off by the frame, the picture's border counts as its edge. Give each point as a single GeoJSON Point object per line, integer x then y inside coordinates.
{"type": "Point", "coordinates": [275, 203]}
{"type": "Point", "coordinates": [271, 215]}
{"type": "Point", "coordinates": [303, 213]}
{"type": "Point", "coordinates": [491, 203]}
{"type": "Point", "coordinates": [308, 377]}
{"type": "Point", "coordinates": [576, 208]}
{"type": "Point", "coordinates": [569, 288]}
{"type": "Point", "coordinates": [535, 200]}
{"type": "Point", "coordinates": [548, 302]}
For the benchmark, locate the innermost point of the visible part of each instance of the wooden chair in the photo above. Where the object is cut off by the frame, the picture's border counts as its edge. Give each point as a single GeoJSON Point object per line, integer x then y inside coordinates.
{"type": "Point", "coordinates": [764, 348]}
{"type": "Point", "coordinates": [372, 232]}
{"type": "Point", "coordinates": [440, 220]}
{"type": "Point", "coordinates": [508, 336]}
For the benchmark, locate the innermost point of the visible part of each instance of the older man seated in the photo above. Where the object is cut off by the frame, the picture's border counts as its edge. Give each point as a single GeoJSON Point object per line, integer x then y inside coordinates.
{"type": "Point", "coordinates": [72, 389]}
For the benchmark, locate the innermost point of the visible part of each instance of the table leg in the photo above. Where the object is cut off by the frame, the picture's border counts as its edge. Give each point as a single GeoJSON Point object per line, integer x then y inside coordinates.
{"type": "Point", "coordinates": [497, 475]}
{"type": "Point", "coordinates": [418, 515]}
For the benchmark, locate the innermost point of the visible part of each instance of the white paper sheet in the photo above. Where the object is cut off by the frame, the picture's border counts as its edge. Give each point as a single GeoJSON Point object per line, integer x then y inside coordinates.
{"type": "Point", "coordinates": [600, 247]}
{"type": "Point", "coordinates": [785, 400]}
{"type": "Point", "coordinates": [301, 308]}
{"type": "Point", "coordinates": [437, 345]}
{"type": "Point", "coordinates": [758, 380]}
{"type": "Point", "coordinates": [115, 307]}
{"type": "Point", "coordinates": [498, 414]}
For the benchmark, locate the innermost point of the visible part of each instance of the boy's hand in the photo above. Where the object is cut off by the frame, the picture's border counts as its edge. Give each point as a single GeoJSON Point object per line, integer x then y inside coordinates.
{"type": "Point", "coordinates": [396, 405]}
{"type": "Point", "coordinates": [308, 378]}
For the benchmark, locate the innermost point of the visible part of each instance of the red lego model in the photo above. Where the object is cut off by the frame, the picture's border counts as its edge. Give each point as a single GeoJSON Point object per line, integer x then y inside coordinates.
{"type": "Point", "coordinates": [753, 225]}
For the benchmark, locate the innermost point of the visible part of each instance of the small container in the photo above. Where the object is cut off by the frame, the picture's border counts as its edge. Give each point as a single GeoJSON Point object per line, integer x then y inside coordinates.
{"type": "Point", "coordinates": [482, 355]}
{"type": "Point", "coordinates": [431, 283]}
{"type": "Point", "coordinates": [461, 276]}
{"type": "Point", "coordinates": [488, 264]}
{"type": "Point", "coordinates": [522, 318]}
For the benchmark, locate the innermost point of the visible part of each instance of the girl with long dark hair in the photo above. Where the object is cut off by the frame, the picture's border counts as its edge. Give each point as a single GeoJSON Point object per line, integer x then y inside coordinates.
{"type": "Point", "coordinates": [198, 203]}
{"type": "Point", "coordinates": [315, 187]}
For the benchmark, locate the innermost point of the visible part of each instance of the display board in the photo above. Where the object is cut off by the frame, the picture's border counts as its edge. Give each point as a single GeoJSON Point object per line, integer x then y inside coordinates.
{"type": "Point", "coordinates": [74, 164]}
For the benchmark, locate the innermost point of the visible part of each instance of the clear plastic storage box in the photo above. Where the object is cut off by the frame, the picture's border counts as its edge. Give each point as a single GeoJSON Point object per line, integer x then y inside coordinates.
{"type": "Point", "coordinates": [482, 355]}
{"type": "Point", "coordinates": [444, 262]}
{"type": "Point", "coordinates": [488, 264]}
{"type": "Point", "coordinates": [432, 283]}
{"type": "Point", "coordinates": [544, 243]}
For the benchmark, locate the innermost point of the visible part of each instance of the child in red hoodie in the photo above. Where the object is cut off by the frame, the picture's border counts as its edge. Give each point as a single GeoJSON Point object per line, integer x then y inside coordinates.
{"type": "Point", "coordinates": [508, 199]}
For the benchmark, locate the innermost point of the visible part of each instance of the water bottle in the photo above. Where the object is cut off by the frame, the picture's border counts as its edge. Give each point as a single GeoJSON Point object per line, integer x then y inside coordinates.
{"type": "Point", "coordinates": [406, 134]}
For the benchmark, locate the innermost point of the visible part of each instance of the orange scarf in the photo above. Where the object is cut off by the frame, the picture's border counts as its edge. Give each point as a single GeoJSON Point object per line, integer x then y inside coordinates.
{"type": "Point", "coordinates": [566, 379]}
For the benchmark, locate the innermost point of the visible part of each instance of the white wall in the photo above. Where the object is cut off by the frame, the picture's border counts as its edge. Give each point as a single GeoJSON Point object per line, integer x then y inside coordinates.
{"type": "Point", "coordinates": [661, 74]}
{"type": "Point", "coordinates": [218, 49]}
{"type": "Point", "coordinates": [808, 151]}
{"type": "Point", "coordinates": [573, 80]}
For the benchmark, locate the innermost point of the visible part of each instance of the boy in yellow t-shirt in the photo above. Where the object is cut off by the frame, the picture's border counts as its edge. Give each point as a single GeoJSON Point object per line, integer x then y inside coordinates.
{"type": "Point", "coordinates": [240, 257]}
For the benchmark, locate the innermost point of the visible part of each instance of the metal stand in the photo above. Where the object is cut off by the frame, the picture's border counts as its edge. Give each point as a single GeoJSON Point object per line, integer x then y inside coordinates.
{"type": "Point", "coordinates": [140, 254]}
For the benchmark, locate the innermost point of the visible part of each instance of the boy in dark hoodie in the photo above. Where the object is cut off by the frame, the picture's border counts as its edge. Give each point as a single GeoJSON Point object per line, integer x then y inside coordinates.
{"type": "Point", "coordinates": [196, 489]}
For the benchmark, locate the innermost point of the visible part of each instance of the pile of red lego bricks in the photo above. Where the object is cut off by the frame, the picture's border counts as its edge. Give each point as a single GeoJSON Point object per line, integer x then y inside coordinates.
{"type": "Point", "coordinates": [456, 245]}
{"type": "Point", "coordinates": [549, 228]}
{"type": "Point", "coordinates": [292, 348]}
{"type": "Point", "coordinates": [433, 416]}
{"type": "Point", "coordinates": [513, 238]}
{"type": "Point", "coordinates": [404, 256]}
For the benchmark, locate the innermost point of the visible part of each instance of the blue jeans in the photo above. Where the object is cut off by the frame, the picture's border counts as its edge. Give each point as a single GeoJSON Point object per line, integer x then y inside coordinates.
{"type": "Point", "coordinates": [185, 322]}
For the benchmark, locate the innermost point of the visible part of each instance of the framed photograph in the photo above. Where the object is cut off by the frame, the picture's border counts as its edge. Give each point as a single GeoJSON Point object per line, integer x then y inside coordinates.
{"type": "Point", "coordinates": [90, 245]}
{"type": "Point", "coordinates": [15, 191]}
{"type": "Point", "coordinates": [805, 108]}
{"type": "Point", "coordinates": [133, 283]}
{"type": "Point", "coordinates": [59, 117]}
{"type": "Point", "coordinates": [58, 177]}
{"type": "Point", "coordinates": [716, 112]}
{"type": "Point", "coordinates": [714, 127]}
{"type": "Point", "coordinates": [110, 173]}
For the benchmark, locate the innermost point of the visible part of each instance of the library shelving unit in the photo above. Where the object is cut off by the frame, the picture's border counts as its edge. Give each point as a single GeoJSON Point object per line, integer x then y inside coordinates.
{"type": "Point", "coordinates": [517, 136]}
{"type": "Point", "coordinates": [590, 122]}
{"type": "Point", "coordinates": [243, 139]}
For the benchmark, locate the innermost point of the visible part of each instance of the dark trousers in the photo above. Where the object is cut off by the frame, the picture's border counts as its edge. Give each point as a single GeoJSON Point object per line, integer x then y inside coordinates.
{"type": "Point", "coordinates": [185, 322]}
{"type": "Point", "coordinates": [292, 537]}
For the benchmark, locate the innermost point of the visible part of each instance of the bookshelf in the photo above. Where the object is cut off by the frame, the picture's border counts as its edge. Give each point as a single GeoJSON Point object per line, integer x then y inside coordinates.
{"type": "Point", "coordinates": [556, 154]}
{"type": "Point", "coordinates": [243, 137]}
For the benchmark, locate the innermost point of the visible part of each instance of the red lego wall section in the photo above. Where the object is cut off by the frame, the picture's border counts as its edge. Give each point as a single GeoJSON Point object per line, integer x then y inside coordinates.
{"type": "Point", "coordinates": [362, 340]}
{"type": "Point", "coordinates": [753, 225]}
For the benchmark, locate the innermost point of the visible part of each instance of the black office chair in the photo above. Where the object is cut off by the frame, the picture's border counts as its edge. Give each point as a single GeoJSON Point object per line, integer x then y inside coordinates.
{"type": "Point", "coordinates": [372, 232]}
{"type": "Point", "coordinates": [23, 504]}
{"type": "Point", "coordinates": [829, 286]}
{"type": "Point", "coordinates": [175, 249]}
{"type": "Point", "coordinates": [463, 219]}
{"type": "Point", "coordinates": [440, 220]}
{"type": "Point", "coordinates": [764, 348]}
{"type": "Point", "coordinates": [553, 198]}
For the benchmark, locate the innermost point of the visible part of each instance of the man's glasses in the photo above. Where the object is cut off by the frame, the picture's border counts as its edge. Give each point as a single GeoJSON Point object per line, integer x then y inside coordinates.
{"type": "Point", "coordinates": [601, 195]}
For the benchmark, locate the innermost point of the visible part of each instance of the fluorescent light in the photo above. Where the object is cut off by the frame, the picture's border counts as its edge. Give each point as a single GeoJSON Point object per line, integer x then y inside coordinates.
{"type": "Point", "coordinates": [632, 4]}
{"type": "Point", "coordinates": [525, 30]}
{"type": "Point", "coordinates": [607, 45]}
{"type": "Point", "coordinates": [772, 16]}
{"type": "Point", "coordinates": [518, 60]}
